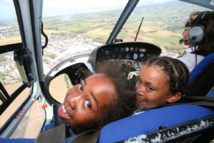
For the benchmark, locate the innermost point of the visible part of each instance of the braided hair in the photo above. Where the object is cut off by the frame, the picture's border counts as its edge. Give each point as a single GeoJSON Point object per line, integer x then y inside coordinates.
{"type": "Point", "coordinates": [177, 71]}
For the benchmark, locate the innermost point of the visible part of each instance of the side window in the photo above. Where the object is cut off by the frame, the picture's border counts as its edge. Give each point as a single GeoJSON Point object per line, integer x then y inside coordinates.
{"type": "Point", "coordinates": [30, 125]}
{"type": "Point", "coordinates": [10, 79]}
{"type": "Point", "coordinates": [15, 104]}
{"type": "Point", "coordinates": [65, 79]}
{"type": "Point", "coordinates": [59, 87]}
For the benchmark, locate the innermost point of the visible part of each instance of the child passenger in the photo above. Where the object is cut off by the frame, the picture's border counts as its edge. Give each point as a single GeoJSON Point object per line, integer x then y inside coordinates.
{"type": "Point", "coordinates": [161, 80]}
{"type": "Point", "coordinates": [99, 99]}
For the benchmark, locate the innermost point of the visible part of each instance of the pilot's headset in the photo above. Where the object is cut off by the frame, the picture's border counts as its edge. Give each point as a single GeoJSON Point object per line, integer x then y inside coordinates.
{"type": "Point", "coordinates": [196, 33]}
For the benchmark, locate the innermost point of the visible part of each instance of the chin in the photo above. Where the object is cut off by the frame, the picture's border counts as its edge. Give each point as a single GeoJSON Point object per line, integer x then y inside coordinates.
{"type": "Point", "coordinates": [140, 105]}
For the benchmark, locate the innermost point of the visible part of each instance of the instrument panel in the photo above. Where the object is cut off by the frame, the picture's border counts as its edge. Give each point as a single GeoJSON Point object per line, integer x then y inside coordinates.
{"type": "Point", "coordinates": [133, 54]}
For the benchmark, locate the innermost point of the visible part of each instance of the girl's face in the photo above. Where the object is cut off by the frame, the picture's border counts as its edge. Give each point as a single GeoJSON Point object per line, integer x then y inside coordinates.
{"type": "Point", "coordinates": [186, 36]}
{"type": "Point", "coordinates": [85, 104]}
{"type": "Point", "coordinates": [152, 87]}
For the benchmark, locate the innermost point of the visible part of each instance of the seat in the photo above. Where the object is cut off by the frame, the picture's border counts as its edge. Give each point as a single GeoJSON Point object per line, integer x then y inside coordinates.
{"type": "Point", "coordinates": [173, 121]}
{"type": "Point", "coordinates": [202, 78]}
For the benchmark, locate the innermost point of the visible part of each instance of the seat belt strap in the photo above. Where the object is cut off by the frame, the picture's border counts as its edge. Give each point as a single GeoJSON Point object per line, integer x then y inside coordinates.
{"type": "Point", "coordinates": [55, 135]}
{"type": "Point", "coordinates": [199, 98]}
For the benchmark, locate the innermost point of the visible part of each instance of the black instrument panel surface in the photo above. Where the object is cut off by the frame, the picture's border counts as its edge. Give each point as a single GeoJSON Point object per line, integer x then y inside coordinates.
{"type": "Point", "coordinates": [133, 54]}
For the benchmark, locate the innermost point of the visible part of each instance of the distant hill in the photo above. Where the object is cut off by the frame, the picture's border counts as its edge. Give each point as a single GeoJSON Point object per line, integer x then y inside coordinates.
{"type": "Point", "coordinates": [163, 24]}
{"type": "Point", "coordinates": [162, 12]}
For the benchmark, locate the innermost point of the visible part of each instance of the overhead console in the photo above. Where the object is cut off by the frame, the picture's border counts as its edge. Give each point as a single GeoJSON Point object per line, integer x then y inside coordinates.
{"type": "Point", "coordinates": [133, 54]}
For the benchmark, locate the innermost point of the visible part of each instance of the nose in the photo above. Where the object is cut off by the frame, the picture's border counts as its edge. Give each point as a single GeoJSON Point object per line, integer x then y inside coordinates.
{"type": "Point", "coordinates": [73, 101]}
{"type": "Point", "coordinates": [139, 88]}
{"type": "Point", "coordinates": [183, 33]}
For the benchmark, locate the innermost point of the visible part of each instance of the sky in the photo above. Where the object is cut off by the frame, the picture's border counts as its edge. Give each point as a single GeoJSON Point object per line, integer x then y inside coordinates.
{"type": "Point", "coordinates": [63, 7]}
{"type": "Point", "coordinates": [82, 6]}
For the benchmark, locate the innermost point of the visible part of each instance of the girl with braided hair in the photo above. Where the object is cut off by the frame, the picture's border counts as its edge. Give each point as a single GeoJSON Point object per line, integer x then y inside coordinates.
{"type": "Point", "coordinates": [161, 80]}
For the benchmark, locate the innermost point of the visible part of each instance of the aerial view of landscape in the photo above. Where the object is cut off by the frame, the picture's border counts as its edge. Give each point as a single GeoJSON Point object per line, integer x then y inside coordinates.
{"type": "Point", "coordinates": [72, 34]}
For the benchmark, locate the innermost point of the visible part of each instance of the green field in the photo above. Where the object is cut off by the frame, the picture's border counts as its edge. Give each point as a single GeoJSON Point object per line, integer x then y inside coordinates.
{"type": "Point", "coordinates": [162, 24]}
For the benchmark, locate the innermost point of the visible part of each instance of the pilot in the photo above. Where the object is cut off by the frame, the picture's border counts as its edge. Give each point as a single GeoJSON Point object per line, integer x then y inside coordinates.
{"type": "Point", "coordinates": [198, 35]}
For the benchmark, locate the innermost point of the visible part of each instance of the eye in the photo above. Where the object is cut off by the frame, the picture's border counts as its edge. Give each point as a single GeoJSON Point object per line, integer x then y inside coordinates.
{"type": "Point", "coordinates": [88, 104]}
{"type": "Point", "coordinates": [150, 88]}
{"type": "Point", "coordinates": [139, 80]}
{"type": "Point", "coordinates": [80, 87]}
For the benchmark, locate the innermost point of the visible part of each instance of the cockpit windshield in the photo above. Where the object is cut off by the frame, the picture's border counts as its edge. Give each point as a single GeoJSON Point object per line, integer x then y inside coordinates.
{"type": "Point", "coordinates": [76, 27]}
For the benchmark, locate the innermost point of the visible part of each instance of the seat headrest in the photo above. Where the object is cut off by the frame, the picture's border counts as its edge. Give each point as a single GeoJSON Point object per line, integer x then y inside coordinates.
{"type": "Point", "coordinates": [201, 66]}
{"type": "Point", "coordinates": [151, 121]}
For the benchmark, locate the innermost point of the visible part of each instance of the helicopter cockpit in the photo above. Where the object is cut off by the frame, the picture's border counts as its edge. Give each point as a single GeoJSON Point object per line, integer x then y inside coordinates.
{"type": "Point", "coordinates": [51, 53]}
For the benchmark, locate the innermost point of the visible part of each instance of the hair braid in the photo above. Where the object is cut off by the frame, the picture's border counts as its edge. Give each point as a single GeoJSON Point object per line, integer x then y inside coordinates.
{"type": "Point", "coordinates": [175, 69]}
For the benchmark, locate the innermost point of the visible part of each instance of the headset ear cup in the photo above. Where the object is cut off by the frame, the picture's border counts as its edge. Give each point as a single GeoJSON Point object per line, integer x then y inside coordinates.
{"type": "Point", "coordinates": [196, 34]}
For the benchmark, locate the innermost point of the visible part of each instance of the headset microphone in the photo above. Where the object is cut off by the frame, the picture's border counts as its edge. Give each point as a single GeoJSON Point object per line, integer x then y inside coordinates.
{"type": "Point", "coordinates": [182, 40]}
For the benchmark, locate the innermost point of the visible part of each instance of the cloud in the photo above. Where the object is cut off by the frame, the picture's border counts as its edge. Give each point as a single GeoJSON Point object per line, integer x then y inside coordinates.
{"type": "Point", "coordinates": [63, 7]}
{"type": "Point", "coordinates": [146, 2]}
{"type": "Point", "coordinates": [80, 6]}
{"type": "Point", "coordinates": [10, 1]}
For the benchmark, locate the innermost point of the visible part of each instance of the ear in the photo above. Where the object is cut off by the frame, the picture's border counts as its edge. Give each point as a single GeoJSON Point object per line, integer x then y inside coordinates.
{"type": "Point", "coordinates": [175, 97]}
